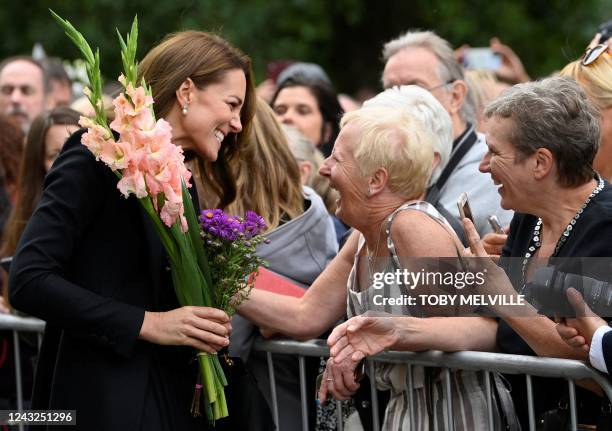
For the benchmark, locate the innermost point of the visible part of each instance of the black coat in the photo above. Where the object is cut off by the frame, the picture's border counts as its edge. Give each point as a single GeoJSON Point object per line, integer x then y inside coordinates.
{"type": "Point", "coordinates": [90, 263]}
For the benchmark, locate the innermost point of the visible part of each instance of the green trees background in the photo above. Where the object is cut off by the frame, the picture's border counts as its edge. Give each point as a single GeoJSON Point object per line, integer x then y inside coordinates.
{"type": "Point", "coordinates": [344, 36]}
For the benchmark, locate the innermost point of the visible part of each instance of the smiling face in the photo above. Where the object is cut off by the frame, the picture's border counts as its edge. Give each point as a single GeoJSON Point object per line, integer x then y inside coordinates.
{"type": "Point", "coordinates": [212, 113]}
{"type": "Point", "coordinates": [344, 175]}
{"type": "Point", "coordinates": [54, 141]}
{"type": "Point", "coordinates": [298, 107]}
{"type": "Point", "coordinates": [507, 169]}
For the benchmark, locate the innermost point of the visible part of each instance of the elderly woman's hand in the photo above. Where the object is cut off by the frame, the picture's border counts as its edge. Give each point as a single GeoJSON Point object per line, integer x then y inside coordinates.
{"type": "Point", "coordinates": [361, 336]}
{"type": "Point", "coordinates": [339, 380]}
{"type": "Point", "coordinates": [578, 332]}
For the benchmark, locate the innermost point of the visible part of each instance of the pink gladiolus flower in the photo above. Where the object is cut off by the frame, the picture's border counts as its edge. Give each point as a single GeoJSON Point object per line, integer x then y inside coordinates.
{"type": "Point", "coordinates": [96, 139]}
{"type": "Point", "coordinates": [132, 181]}
{"type": "Point", "coordinates": [150, 164]}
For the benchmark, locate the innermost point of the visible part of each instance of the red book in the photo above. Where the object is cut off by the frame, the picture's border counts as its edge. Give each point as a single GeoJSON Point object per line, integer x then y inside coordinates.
{"type": "Point", "coordinates": [272, 282]}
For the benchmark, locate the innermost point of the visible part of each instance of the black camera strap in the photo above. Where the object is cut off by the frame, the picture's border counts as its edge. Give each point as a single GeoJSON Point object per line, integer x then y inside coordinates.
{"type": "Point", "coordinates": [463, 144]}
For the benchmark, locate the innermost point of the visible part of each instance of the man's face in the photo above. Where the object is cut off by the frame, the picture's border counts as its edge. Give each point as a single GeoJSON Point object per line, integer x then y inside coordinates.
{"type": "Point", "coordinates": [22, 95]}
{"type": "Point", "coordinates": [417, 66]}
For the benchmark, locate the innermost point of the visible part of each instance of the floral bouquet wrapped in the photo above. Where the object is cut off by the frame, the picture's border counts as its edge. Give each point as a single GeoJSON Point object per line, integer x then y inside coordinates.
{"type": "Point", "coordinates": [150, 167]}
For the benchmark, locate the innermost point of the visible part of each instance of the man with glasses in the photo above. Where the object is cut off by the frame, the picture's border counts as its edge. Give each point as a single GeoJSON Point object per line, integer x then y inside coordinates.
{"type": "Point", "coordinates": [425, 59]}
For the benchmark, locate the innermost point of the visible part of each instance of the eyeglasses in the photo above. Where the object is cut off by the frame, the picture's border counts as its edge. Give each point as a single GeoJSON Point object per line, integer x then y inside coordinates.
{"type": "Point", "coordinates": [450, 81]}
{"type": "Point", "coordinates": [594, 53]}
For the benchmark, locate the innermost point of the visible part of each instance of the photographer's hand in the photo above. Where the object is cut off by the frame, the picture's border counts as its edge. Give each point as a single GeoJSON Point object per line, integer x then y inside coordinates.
{"type": "Point", "coordinates": [578, 332]}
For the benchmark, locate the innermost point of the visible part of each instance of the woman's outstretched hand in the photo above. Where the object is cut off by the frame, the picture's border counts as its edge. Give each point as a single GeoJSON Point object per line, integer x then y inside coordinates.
{"type": "Point", "coordinates": [204, 328]}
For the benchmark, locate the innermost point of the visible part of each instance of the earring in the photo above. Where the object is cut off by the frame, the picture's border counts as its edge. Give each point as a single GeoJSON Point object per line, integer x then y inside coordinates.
{"type": "Point", "coordinates": [369, 191]}
{"type": "Point", "coordinates": [185, 108]}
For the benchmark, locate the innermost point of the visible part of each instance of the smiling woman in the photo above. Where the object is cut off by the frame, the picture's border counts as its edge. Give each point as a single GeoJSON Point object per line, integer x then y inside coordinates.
{"type": "Point", "coordinates": [90, 263]}
{"type": "Point", "coordinates": [544, 166]}
{"type": "Point", "coordinates": [311, 106]}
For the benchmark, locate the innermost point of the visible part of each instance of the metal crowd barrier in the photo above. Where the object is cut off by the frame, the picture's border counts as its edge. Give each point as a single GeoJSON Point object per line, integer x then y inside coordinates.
{"type": "Point", "coordinates": [17, 324]}
{"type": "Point", "coordinates": [570, 370]}
{"type": "Point", "coordinates": [475, 361]}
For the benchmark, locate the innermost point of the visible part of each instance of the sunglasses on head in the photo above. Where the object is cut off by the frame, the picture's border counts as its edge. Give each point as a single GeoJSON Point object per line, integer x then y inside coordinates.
{"type": "Point", "coordinates": [594, 53]}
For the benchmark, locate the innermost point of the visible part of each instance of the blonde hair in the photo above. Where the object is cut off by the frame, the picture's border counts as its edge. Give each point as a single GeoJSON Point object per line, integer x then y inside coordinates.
{"type": "Point", "coordinates": [426, 109]}
{"type": "Point", "coordinates": [267, 175]}
{"type": "Point", "coordinates": [304, 150]}
{"type": "Point", "coordinates": [396, 140]}
{"type": "Point", "coordinates": [594, 79]}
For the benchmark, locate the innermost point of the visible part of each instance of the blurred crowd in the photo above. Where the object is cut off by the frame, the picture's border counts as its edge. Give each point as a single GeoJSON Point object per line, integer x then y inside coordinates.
{"type": "Point", "coordinates": [352, 187]}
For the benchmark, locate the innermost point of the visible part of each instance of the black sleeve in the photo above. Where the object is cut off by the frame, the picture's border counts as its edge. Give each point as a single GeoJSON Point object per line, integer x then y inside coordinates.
{"type": "Point", "coordinates": [74, 193]}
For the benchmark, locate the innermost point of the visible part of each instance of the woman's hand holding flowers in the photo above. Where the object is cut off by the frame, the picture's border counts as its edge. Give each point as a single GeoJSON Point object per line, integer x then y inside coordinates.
{"type": "Point", "coordinates": [204, 328]}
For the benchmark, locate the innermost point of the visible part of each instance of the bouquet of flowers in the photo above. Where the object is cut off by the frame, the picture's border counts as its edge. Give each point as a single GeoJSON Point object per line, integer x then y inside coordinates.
{"type": "Point", "coordinates": [233, 241]}
{"type": "Point", "coordinates": [150, 167]}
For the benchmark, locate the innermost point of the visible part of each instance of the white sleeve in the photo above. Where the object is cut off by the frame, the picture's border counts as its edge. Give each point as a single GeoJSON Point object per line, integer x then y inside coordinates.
{"type": "Point", "coordinates": [596, 350]}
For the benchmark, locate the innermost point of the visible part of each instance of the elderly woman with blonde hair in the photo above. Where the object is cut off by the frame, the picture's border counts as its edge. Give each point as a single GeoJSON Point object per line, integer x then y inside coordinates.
{"type": "Point", "coordinates": [381, 165]}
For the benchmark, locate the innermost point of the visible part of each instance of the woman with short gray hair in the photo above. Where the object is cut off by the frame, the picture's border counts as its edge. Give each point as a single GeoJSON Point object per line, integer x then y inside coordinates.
{"type": "Point", "coordinates": [542, 139]}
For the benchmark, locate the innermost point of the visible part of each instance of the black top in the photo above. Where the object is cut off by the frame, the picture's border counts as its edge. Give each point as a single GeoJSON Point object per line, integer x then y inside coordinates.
{"type": "Point", "coordinates": [591, 237]}
{"type": "Point", "coordinates": [90, 263]}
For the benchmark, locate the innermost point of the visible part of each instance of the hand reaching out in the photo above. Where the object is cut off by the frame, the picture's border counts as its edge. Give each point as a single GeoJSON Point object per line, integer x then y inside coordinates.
{"type": "Point", "coordinates": [362, 336]}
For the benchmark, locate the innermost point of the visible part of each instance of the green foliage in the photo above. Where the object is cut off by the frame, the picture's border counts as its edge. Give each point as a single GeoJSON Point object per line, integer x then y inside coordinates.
{"type": "Point", "coordinates": [345, 36]}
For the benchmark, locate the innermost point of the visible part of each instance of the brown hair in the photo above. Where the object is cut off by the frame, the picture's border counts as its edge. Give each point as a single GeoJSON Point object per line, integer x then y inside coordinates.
{"type": "Point", "coordinates": [267, 175]}
{"type": "Point", "coordinates": [32, 173]}
{"type": "Point", "coordinates": [205, 58]}
{"type": "Point", "coordinates": [11, 149]}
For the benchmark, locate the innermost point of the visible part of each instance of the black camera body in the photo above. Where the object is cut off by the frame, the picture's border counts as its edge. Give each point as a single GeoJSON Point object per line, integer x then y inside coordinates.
{"type": "Point", "coordinates": [547, 292]}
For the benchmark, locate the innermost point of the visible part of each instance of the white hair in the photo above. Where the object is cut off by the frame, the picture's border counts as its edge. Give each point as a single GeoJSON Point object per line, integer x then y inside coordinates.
{"type": "Point", "coordinates": [428, 111]}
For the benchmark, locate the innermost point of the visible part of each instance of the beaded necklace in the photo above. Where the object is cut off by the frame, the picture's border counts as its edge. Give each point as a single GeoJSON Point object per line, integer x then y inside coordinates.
{"type": "Point", "coordinates": [536, 242]}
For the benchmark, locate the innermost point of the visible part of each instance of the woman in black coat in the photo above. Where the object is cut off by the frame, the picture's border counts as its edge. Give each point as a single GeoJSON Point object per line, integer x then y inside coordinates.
{"type": "Point", "coordinates": [118, 348]}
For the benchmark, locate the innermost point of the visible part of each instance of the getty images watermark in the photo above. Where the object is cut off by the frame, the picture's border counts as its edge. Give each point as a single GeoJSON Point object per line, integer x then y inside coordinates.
{"type": "Point", "coordinates": [445, 281]}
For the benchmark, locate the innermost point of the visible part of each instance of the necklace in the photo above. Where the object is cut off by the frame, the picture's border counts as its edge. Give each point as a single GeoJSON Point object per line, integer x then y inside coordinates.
{"type": "Point", "coordinates": [536, 241]}
{"type": "Point", "coordinates": [372, 256]}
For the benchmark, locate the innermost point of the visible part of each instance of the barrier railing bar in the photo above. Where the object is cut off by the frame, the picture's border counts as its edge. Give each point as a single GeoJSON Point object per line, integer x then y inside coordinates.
{"type": "Point", "coordinates": [18, 380]}
{"type": "Point", "coordinates": [411, 396]}
{"type": "Point", "coordinates": [474, 361]}
{"type": "Point", "coordinates": [373, 395]}
{"type": "Point", "coordinates": [487, 376]}
{"type": "Point", "coordinates": [448, 394]}
{"type": "Point", "coordinates": [273, 388]}
{"type": "Point", "coordinates": [339, 418]}
{"type": "Point", "coordinates": [303, 398]}
{"type": "Point", "coordinates": [572, 404]}
{"type": "Point", "coordinates": [531, 412]}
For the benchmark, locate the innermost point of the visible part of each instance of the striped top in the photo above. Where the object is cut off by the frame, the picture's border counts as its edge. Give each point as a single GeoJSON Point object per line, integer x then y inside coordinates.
{"type": "Point", "coordinates": [429, 412]}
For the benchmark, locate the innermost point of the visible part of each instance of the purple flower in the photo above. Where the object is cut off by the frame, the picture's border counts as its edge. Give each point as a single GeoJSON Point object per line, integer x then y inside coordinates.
{"type": "Point", "coordinates": [219, 224]}
{"type": "Point", "coordinates": [253, 224]}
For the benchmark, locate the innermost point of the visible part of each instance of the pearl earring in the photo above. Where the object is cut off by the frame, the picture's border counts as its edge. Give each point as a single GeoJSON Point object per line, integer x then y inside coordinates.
{"type": "Point", "coordinates": [185, 108]}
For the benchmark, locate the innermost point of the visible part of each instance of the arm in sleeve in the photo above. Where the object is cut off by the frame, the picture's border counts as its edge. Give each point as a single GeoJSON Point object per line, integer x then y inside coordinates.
{"type": "Point", "coordinates": [600, 353]}
{"type": "Point", "coordinates": [73, 196]}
